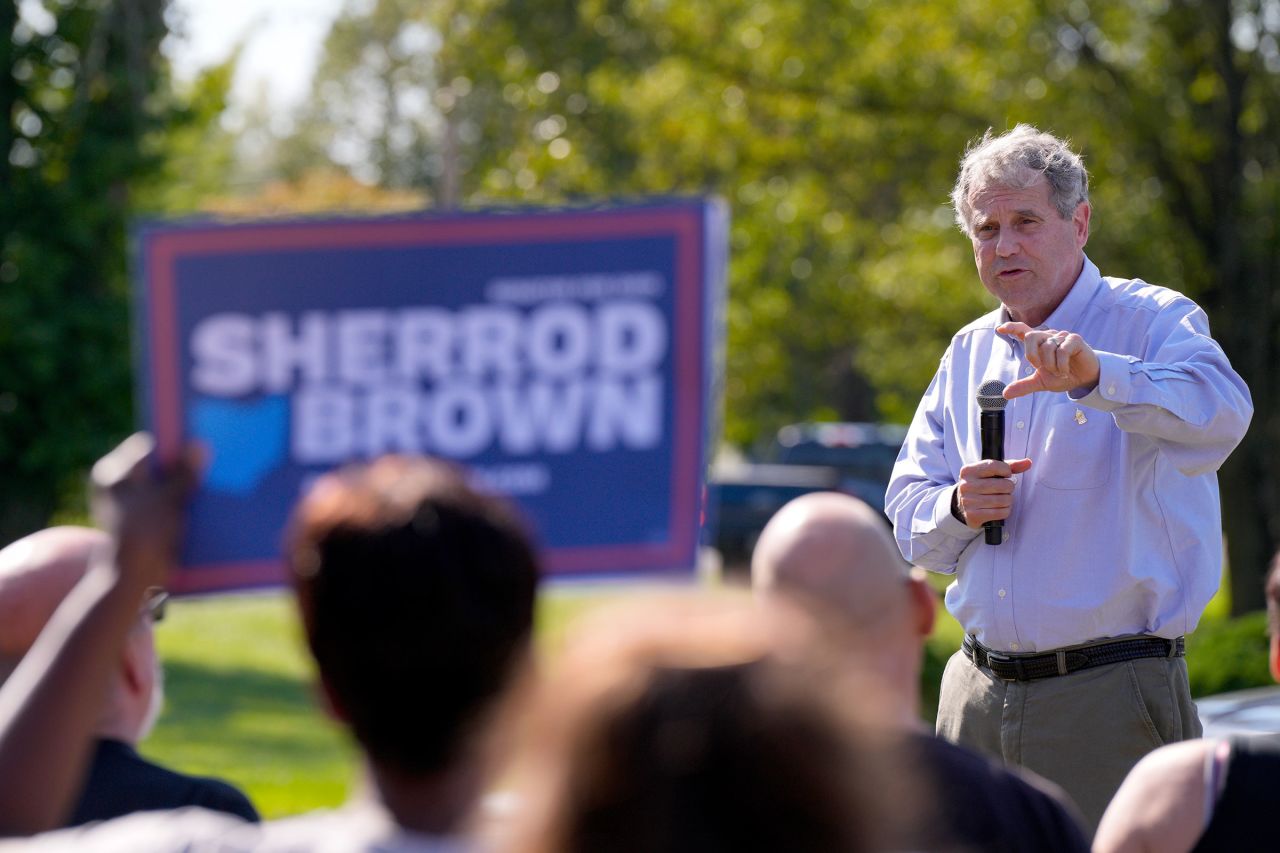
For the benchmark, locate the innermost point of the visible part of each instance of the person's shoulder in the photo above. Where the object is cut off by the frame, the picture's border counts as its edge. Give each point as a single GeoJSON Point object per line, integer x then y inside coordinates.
{"type": "Point", "coordinates": [1137, 294]}
{"type": "Point", "coordinates": [121, 781]}
{"type": "Point", "coordinates": [222, 796]}
{"type": "Point", "coordinates": [993, 804]}
{"type": "Point", "coordinates": [194, 829]}
{"type": "Point", "coordinates": [1267, 745]}
{"type": "Point", "coordinates": [1160, 804]}
{"type": "Point", "coordinates": [203, 791]}
{"type": "Point", "coordinates": [175, 831]}
{"type": "Point", "coordinates": [355, 827]}
{"type": "Point", "coordinates": [966, 764]}
{"type": "Point", "coordinates": [973, 337]}
{"type": "Point", "coordinates": [984, 325]}
{"type": "Point", "coordinates": [157, 786]}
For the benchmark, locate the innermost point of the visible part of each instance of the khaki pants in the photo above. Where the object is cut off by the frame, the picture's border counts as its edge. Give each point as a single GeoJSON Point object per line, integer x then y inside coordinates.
{"type": "Point", "coordinates": [1084, 731]}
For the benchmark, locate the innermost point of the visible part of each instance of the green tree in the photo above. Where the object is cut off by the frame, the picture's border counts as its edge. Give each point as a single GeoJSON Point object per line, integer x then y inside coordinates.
{"type": "Point", "coordinates": [371, 108]}
{"type": "Point", "coordinates": [193, 157]}
{"type": "Point", "coordinates": [78, 102]}
{"type": "Point", "coordinates": [1180, 105]}
{"type": "Point", "coordinates": [833, 128]}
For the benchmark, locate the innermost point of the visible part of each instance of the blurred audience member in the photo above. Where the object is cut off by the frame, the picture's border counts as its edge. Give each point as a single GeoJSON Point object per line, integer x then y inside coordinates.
{"type": "Point", "coordinates": [671, 726]}
{"type": "Point", "coordinates": [832, 554]}
{"type": "Point", "coordinates": [1207, 795]}
{"type": "Point", "coordinates": [36, 574]}
{"type": "Point", "coordinates": [51, 703]}
{"type": "Point", "coordinates": [416, 595]}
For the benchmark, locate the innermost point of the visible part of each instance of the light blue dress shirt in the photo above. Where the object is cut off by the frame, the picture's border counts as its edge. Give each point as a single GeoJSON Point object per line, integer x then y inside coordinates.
{"type": "Point", "coordinates": [1116, 529]}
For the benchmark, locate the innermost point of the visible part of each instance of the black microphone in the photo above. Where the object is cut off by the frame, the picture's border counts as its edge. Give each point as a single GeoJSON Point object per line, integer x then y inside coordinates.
{"type": "Point", "coordinates": [991, 402]}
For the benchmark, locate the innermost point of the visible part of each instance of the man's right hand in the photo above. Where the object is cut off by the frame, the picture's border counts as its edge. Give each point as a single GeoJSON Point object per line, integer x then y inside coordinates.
{"type": "Point", "coordinates": [985, 490]}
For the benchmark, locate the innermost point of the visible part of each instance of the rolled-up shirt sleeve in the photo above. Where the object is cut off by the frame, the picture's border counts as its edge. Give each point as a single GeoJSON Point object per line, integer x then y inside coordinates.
{"type": "Point", "coordinates": [918, 500]}
{"type": "Point", "coordinates": [1182, 394]}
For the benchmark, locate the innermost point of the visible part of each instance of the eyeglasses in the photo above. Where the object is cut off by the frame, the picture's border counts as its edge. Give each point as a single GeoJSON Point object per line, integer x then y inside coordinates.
{"type": "Point", "coordinates": [154, 601]}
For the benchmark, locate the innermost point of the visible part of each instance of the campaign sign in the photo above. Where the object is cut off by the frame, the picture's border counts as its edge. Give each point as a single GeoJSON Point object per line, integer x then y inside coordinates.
{"type": "Point", "coordinates": [564, 358]}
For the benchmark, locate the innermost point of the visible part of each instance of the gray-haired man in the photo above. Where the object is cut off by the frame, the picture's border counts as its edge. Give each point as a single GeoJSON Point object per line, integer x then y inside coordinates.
{"type": "Point", "coordinates": [1120, 410]}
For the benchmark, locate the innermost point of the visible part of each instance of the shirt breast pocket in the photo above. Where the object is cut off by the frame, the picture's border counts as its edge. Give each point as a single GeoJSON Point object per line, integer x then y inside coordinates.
{"type": "Point", "coordinates": [1078, 449]}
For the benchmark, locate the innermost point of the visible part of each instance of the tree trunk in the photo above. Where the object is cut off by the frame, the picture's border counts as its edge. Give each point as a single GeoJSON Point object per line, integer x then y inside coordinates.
{"type": "Point", "coordinates": [1245, 522]}
{"type": "Point", "coordinates": [1242, 309]}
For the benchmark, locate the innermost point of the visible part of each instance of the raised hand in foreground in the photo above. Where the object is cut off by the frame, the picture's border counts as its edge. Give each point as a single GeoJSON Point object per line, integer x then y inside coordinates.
{"type": "Point", "coordinates": [49, 706]}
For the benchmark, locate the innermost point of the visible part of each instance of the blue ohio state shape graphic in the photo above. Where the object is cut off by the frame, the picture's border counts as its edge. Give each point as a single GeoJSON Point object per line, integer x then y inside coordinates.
{"type": "Point", "coordinates": [245, 441]}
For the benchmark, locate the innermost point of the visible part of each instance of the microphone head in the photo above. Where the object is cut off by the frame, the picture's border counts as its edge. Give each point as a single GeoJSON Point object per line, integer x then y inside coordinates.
{"type": "Point", "coordinates": [991, 396]}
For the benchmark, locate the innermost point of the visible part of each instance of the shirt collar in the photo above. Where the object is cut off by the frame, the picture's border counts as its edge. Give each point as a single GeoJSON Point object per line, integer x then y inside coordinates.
{"type": "Point", "coordinates": [1067, 315]}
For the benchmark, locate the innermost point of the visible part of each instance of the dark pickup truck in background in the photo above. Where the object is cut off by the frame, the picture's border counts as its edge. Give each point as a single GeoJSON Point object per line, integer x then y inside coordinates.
{"type": "Point", "coordinates": [743, 494]}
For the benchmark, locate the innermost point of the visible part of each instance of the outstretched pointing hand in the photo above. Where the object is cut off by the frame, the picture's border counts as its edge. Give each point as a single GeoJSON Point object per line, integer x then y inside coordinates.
{"type": "Point", "coordinates": [1063, 361]}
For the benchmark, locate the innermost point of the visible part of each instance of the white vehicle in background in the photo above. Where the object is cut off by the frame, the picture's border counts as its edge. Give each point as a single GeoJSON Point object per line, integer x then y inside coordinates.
{"type": "Point", "coordinates": [1242, 712]}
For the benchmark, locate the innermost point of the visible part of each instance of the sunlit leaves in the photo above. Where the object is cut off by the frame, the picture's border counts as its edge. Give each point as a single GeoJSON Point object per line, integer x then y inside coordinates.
{"type": "Point", "coordinates": [833, 129]}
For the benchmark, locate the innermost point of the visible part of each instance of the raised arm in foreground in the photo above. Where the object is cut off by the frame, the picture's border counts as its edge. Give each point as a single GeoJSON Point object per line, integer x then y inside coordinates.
{"type": "Point", "coordinates": [49, 706]}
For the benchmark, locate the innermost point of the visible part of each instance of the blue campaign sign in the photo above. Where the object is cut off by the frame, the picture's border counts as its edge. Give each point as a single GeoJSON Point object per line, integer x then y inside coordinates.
{"type": "Point", "coordinates": [564, 357]}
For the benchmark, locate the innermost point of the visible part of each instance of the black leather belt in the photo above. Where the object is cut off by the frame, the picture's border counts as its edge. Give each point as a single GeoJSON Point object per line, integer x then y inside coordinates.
{"type": "Point", "coordinates": [1027, 667]}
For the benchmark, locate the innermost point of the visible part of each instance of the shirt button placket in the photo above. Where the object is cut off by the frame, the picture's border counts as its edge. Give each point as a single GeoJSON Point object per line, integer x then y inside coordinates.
{"type": "Point", "coordinates": [1017, 439]}
{"type": "Point", "coordinates": [1019, 417]}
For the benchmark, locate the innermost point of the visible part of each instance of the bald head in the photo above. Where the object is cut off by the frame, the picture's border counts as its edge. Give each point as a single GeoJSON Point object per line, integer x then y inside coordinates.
{"type": "Point", "coordinates": [832, 553]}
{"type": "Point", "coordinates": [834, 549]}
{"type": "Point", "coordinates": [36, 573]}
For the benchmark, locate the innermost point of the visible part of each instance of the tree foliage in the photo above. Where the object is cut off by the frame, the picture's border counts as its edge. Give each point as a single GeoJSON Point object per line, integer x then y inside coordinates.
{"type": "Point", "coordinates": [78, 86]}
{"type": "Point", "coordinates": [1180, 102]}
{"type": "Point", "coordinates": [371, 109]}
{"type": "Point", "coordinates": [833, 128]}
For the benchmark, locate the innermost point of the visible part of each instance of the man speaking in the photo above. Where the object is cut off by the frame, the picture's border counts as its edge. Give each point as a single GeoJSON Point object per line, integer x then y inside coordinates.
{"type": "Point", "coordinates": [1120, 409]}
